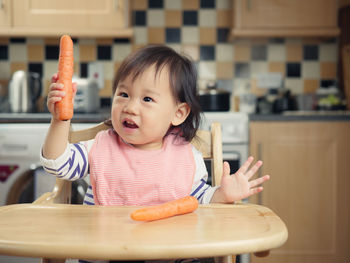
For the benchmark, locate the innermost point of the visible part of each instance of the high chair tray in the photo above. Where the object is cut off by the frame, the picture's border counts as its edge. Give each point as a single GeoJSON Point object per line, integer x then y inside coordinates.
{"type": "Point", "coordinates": [96, 232]}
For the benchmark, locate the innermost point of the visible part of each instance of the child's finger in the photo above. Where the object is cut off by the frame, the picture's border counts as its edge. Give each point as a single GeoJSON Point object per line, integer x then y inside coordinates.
{"type": "Point", "coordinates": [74, 87]}
{"type": "Point", "coordinates": [56, 93]}
{"type": "Point", "coordinates": [258, 181]}
{"type": "Point", "coordinates": [55, 86]}
{"type": "Point", "coordinates": [54, 99]}
{"type": "Point", "coordinates": [256, 190]}
{"type": "Point", "coordinates": [54, 78]}
{"type": "Point", "coordinates": [244, 168]}
{"type": "Point", "coordinates": [254, 169]}
{"type": "Point", "coordinates": [51, 104]}
{"type": "Point", "coordinates": [226, 168]}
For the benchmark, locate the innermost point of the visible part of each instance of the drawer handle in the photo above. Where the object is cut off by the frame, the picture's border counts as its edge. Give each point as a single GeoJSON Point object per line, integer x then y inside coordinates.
{"type": "Point", "coordinates": [14, 147]}
{"type": "Point", "coordinates": [116, 5]}
{"type": "Point", "coordinates": [249, 5]}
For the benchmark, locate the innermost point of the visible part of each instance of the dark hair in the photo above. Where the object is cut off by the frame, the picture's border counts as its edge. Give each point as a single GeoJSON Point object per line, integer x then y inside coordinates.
{"type": "Point", "coordinates": [182, 79]}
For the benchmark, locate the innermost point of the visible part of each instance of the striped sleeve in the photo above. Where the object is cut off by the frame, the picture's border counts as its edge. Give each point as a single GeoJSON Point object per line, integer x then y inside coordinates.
{"type": "Point", "coordinates": [200, 189]}
{"type": "Point", "coordinates": [89, 196]}
{"type": "Point", "coordinates": [71, 165]}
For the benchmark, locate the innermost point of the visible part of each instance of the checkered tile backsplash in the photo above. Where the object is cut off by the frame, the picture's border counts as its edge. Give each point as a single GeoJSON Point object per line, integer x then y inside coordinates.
{"type": "Point", "coordinates": [198, 28]}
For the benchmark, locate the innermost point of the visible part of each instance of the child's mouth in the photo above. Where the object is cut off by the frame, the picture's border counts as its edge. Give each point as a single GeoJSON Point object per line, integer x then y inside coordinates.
{"type": "Point", "coordinates": [129, 124]}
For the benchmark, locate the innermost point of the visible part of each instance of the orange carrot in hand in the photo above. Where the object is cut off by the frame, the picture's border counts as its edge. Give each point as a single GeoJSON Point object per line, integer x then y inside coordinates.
{"type": "Point", "coordinates": [65, 74]}
{"type": "Point", "coordinates": [176, 207]}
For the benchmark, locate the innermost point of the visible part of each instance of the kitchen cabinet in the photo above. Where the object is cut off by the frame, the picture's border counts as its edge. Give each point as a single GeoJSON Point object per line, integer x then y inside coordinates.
{"type": "Point", "coordinates": [78, 18]}
{"type": "Point", "coordinates": [309, 167]}
{"type": "Point", "coordinates": [285, 18]}
{"type": "Point", "coordinates": [5, 18]}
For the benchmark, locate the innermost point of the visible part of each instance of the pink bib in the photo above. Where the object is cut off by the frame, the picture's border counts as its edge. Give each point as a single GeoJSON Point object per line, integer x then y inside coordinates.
{"type": "Point", "coordinates": [123, 175]}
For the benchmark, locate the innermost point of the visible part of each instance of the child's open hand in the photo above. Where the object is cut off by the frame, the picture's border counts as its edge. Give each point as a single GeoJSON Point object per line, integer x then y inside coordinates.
{"type": "Point", "coordinates": [237, 186]}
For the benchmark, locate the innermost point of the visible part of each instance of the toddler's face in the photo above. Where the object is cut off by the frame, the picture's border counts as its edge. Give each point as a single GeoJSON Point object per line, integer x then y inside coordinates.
{"type": "Point", "coordinates": [144, 109]}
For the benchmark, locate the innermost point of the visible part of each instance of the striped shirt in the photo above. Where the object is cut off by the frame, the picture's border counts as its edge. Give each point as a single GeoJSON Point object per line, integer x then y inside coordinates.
{"type": "Point", "coordinates": [73, 165]}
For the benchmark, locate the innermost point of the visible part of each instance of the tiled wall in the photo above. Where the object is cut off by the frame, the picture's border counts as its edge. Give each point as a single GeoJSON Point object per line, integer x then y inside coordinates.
{"type": "Point", "coordinates": [196, 27]}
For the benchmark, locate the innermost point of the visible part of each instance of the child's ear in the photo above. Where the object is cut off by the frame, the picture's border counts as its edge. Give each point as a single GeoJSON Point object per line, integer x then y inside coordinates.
{"type": "Point", "coordinates": [181, 114]}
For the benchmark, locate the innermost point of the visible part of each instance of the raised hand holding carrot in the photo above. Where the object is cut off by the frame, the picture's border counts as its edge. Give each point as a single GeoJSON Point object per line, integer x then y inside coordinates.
{"type": "Point", "coordinates": [60, 96]}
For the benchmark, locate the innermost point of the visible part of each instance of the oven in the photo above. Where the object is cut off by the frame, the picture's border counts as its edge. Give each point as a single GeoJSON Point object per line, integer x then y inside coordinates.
{"type": "Point", "coordinates": [235, 144]}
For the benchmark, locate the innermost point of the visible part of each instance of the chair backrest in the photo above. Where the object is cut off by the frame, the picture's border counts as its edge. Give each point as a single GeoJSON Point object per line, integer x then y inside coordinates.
{"type": "Point", "coordinates": [209, 143]}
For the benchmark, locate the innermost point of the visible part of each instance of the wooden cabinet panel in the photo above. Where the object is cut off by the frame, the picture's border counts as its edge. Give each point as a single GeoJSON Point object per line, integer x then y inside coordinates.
{"type": "Point", "coordinates": [307, 165]}
{"type": "Point", "coordinates": [289, 14]}
{"type": "Point", "coordinates": [67, 13]}
{"type": "Point", "coordinates": [79, 18]}
{"type": "Point", "coordinates": [5, 14]}
{"type": "Point", "coordinates": [285, 18]}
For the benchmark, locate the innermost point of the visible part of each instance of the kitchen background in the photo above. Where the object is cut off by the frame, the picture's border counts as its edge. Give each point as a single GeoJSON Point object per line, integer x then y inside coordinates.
{"type": "Point", "coordinates": [305, 152]}
{"type": "Point", "coordinates": [199, 28]}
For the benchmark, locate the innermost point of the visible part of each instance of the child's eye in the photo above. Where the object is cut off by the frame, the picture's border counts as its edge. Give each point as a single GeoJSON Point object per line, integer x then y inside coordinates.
{"type": "Point", "coordinates": [123, 94]}
{"type": "Point", "coordinates": [147, 99]}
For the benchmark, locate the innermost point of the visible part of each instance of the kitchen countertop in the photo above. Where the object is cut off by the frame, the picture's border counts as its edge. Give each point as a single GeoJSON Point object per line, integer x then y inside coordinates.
{"type": "Point", "coordinates": [103, 115]}
{"type": "Point", "coordinates": [46, 117]}
{"type": "Point", "coordinates": [303, 116]}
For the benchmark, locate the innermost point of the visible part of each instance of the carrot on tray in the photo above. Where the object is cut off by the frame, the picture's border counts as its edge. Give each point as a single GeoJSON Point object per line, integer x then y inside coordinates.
{"type": "Point", "coordinates": [176, 207]}
{"type": "Point", "coordinates": [65, 74]}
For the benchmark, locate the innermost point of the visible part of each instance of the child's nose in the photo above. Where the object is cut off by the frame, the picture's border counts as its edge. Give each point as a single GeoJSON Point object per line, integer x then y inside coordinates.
{"type": "Point", "coordinates": [131, 107]}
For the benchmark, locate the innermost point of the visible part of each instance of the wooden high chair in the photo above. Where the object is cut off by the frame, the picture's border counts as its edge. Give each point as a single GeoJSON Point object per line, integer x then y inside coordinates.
{"type": "Point", "coordinates": [53, 229]}
{"type": "Point", "coordinates": [209, 143]}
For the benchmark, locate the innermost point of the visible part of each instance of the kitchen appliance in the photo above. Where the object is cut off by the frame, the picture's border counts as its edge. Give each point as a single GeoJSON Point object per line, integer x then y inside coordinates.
{"type": "Point", "coordinates": [306, 102]}
{"type": "Point", "coordinates": [247, 103]}
{"type": "Point", "coordinates": [285, 102]}
{"type": "Point", "coordinates": [22, 179]}
{"type": "Point", "coordinates": [86, 99]}
{"type": "Point", "coordinates": [235, 144]}
{"type": "Point", "coordinates": [214, 99]}
{"type": "Point", "coordinates": [24, 90]}
{"type": "Point", "coordinates": [19, 157]}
